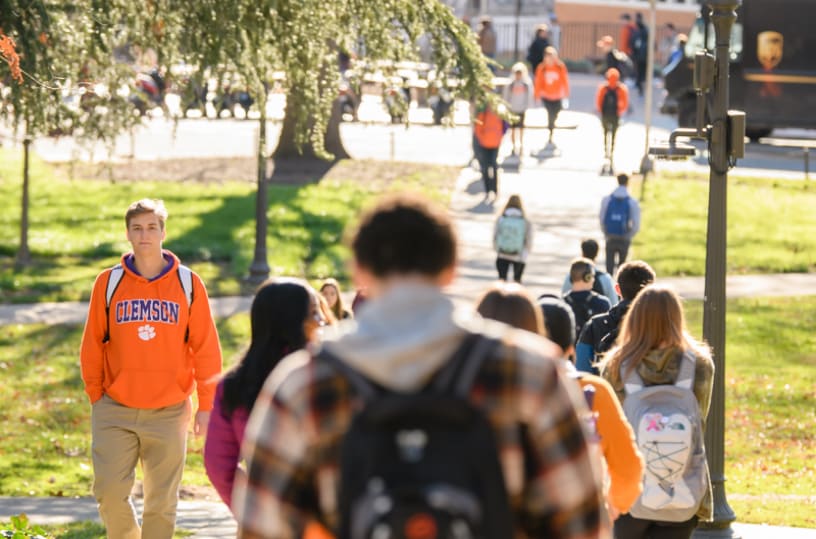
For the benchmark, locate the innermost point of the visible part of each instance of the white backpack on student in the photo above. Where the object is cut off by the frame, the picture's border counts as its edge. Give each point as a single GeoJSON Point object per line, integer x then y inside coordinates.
{"type": "Point", "coordinates": [668, 428]}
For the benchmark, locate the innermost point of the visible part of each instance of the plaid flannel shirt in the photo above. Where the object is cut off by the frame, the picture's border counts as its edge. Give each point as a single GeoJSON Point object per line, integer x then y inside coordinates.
{"type": "Point", "coordinates": [293, 437]}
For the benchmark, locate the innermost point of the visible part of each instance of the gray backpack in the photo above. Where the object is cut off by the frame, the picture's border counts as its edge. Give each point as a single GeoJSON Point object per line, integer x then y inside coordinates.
{"type": "Point", "coordinates": [668, 428]}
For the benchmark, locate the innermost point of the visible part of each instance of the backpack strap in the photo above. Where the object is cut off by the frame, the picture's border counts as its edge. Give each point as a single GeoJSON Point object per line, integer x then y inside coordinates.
{"type": "Point", "coordinates": [633, 382]}
{"type": "Point", "coordinates": [456, 377]}
{"type": "Point", "coordinates": [185, 277]}
{"type": "Point", "coordinates": [364, 387]}
{"type": "Point", "coordinates": [685, 378]}
{"type": "Point", "coordinates": [114, 278]}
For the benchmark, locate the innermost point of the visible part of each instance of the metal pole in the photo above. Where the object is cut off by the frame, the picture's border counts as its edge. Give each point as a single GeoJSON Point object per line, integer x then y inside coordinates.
{"type": "Point", "coordinates": [723, 16]}
{"type": "Point", "coordinates": [23, 253]}
{"type": "Point", "coordinates": [646, 162]}
{"type": "Point", "coordinates": [518, 21]}
{"type": "Point", "coordinates": [259, 269]}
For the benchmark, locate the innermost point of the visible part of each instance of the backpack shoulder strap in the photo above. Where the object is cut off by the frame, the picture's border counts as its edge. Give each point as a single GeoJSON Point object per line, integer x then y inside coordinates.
{"type": "Point", "coordinates": [114, 278]}
{"type": "Point", "coordinates": [185, 276]}
{"type": "Point", "coordinates": [633, 382]}
{"type": "Point", "coordinates": [688, 364]}
{"type": "Point", "coordinates": [364, 387]}
{"type": "Point", "coordinates": [456, 377]}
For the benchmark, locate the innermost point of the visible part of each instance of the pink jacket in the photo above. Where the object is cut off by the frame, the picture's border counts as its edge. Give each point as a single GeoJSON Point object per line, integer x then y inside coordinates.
{"type": "Point", "coordinates": [222, 449]}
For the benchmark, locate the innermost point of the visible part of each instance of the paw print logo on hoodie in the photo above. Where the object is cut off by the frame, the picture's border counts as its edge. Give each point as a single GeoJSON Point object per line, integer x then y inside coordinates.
{"type": "Point", "coordinates": [147, 332]}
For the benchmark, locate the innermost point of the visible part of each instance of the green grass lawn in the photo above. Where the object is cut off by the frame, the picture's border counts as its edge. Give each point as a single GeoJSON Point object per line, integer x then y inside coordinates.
{"type": "Point", "coordinates": [77, 226]}
{"type": "Point", "coordinates": [770, 225]}
{"type": "Point", "coordinates": [73, 530]}
{"type": "Point", "coordinates": [770, 384]}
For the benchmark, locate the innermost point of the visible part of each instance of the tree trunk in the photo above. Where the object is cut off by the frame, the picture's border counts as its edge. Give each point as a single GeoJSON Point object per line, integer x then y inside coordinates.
{"type": "Point", "coordinates": [23, 254]}
{"type": "Point", "coordinates": [259, 269]}
{"type": "Point", "coordinates": [332, 143]}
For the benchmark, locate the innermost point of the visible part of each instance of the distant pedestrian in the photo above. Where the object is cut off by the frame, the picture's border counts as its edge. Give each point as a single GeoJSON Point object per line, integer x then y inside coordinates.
{"type": "Point", "coordinates": [512, 239]}
{"type": "Point", "coordinates": [655, 349]}
{"type": "Point", "coordinates": [486, 36]}
{"type": "Point", "coordinates": [488, 131]}
{"type": "Point", "coordinates": [627, 30]}
{"type": "Point", "coordinates": [519, 95]}
{"type": "Point", "coordinates": [614, 58]}
{"type": "Point", "coordinates": [640, 50]}
{"type": "Point", "coordinates": [330, 289]}
{"type": "Point", "coordinates": [149, 342]}
{"type": "Point", "coordinates": [667, 44]}
{"type": "Point", "coordinates": [601, 332]}
{"type": "Point", "coordinates": [603, 284]}
{"type": "Point", "coordinates": [611, 101]}
{"type": "Point", "coordinates": [620, 221]}
{"type": "Point", "coordinates": [584, 302]}
{"type": "Point", "coordinates": [552, 86]}
{"type": "Point", "coordinates": [677, 54]}
{"type": "Point", "coordinates": [535, 52]}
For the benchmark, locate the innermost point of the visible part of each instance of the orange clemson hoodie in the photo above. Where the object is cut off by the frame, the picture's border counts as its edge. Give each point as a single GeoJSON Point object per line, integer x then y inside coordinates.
{"type": "Point", "coordinates": [147, 363]}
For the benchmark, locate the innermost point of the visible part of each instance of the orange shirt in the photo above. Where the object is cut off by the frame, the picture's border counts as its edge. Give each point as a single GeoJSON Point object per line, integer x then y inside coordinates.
{"type": "Point", "coordinates": [551, 81]}
{"type": "Point", "coordinates": [488, 128]}
{"type": "Point", "coordinates": [623, 97]}
{"type": "Point", "coordinates": [623, 460]}
{"type": "Point", "coordinates": [147, 363]}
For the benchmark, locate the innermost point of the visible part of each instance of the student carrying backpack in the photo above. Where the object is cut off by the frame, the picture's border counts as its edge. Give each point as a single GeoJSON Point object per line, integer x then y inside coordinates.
{"type": "Point", "coordinates": [404, 452]}
{"type": "Point", "coordinates": [620, 221]}
{"type": "Point", "coordinates": [512, 239]}
{"type": "Point", "coordinates": [611, 101]}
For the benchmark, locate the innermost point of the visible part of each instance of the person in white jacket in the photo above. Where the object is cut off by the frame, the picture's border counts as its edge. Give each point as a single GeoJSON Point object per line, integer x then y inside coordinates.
{"type": "Point", "coordinates": [519, 97]}
{"type": "Point", "coordinates": [512, 239]}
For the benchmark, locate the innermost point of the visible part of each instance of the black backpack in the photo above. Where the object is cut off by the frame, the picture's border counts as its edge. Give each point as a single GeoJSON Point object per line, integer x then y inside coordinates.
{"type": "Point", "coordinates": [609, 105]}
{"type": "Point", "coordinates": [597, 285]}
{"type": "Point", "coordinates": [422, 464]}
{"type": "Point", "coordinates": [582, 311]}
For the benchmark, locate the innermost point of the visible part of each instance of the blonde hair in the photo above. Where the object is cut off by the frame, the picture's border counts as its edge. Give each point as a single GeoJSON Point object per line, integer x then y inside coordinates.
{"type": "Point", "coordinates": [147, 205]}
{"type": "Point", "coordinates": [514, 305]}
{"type": "Point", "coordinates": [655, 321]}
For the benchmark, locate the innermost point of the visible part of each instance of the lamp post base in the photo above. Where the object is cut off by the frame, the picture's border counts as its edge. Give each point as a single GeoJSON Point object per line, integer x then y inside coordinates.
{"type": "Point", "coordinates": [258, 273]}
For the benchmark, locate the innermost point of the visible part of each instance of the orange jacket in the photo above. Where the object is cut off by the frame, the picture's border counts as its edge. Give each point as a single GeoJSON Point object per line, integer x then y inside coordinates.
{"type": "Point", "coordinates": [488, 128]}
{"type": "Point", "coordinates": [147, 363]}
{"type": "Point", "coordinates": [551, 81]}
{"type": "Point", "coordinates": [623, 460]}
{"type": "Point", "coordinates": [623, 97]}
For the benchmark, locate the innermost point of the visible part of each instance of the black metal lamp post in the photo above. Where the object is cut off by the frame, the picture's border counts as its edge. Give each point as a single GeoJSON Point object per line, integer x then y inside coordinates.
{"type": "Point", "coordinates": [725, 135]}
{"type": "Point", "coordinates": [259, 269]}
{"type": "Point", "coordinates": [723, 16]}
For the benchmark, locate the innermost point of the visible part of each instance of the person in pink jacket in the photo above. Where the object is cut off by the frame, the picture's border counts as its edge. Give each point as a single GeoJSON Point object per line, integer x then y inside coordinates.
{"type": "Point", "coordinates": [285, 316]}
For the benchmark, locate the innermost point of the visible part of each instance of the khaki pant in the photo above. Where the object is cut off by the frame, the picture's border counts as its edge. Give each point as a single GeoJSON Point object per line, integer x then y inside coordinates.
{"type": "Point", "coordinates": [122, 436]}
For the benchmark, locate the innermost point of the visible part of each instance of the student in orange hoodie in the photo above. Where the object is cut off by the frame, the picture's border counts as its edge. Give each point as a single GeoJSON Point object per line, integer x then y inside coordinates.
{"type": "Point", "coordinates": [149, 340]}
{"type": "Point", "coordinates": [611, 101]}
{"type": "Point", "coordinates": [551, 86]}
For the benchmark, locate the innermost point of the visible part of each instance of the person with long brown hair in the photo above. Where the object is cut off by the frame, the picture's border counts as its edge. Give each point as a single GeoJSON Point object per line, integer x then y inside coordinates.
{"type": "Point", "coordinates": [512, 239]}
{"type": "Point", "coordinates": [330, 289]}
{"type": "Point", "coordinates": [654, 342]}
{"type": "Point", "coordinates": [513, 305]}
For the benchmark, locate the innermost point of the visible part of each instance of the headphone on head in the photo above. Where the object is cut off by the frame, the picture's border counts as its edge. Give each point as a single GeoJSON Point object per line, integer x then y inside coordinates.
{"type": "Point", "coordinates": [589, 273]}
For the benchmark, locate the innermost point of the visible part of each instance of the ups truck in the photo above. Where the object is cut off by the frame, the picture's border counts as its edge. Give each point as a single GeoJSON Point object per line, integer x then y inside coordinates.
{"type": "Point", "coordinates": [773, 66]}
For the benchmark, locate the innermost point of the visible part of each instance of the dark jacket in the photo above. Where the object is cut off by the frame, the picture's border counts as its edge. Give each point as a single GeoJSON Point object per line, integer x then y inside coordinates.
{"type": "Point", "coordinates": [585, 304]}
{"type": "Point", "coordinates": [535, 53]}
{"type": "Point", "coordinates": [593, 339]}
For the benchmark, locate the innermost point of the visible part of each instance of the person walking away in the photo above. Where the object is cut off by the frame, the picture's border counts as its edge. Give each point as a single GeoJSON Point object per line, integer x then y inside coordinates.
{"type": "Point", "coordinates": [330, 289]}
{"type": "Point", "coordinates": [552, 87]}
{"type": "Point", "coordinates": [664, 379]}
{"type": "Point", "coordinates": [302, 441]}
{"type": "Point", "coordinates": [611, 101]}
{"type": "Point", "coordinates": [620, 221]}
{"type": "Point", "coordinates": [640, 50]}
{"type": "Point", "coordinates": [519, 95]}
{"type": "Point", "coordinates": [535, 52]}
{"type": "Point", "coordinates": [624, 463]}
{"type": "Point", "coordinates": [149, 341]}
{"type": "Point", "coordinates": [601, 332]}
{"type": "Point", "coordinates": [511, 304]}
{"type": "Point", "coordinates": [582, 300]}
{"type": "Point", "coordinates": [628, 28]}
{"type": "Point", "coordinates": [488, 131]}
{"type": "Point", "coordinates": [603, 284]}
{"type": "Point", "coordinates": [512, 239]}
{"type": "Point", "coordinates": [486, 36]}
{"type": "Point", "coordinates": [285, 317]}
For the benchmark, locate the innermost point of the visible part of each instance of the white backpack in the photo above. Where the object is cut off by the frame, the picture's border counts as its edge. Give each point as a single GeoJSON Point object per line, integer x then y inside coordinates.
{"type": "Point", "coordinates": [510, 234]}
{"type": "Point", "coordinates": [668, 428]}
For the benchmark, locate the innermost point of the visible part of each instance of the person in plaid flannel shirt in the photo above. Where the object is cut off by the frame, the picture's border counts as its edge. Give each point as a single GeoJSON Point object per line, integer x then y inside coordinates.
{"type": "Point", "coordinates": [404, 255]}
